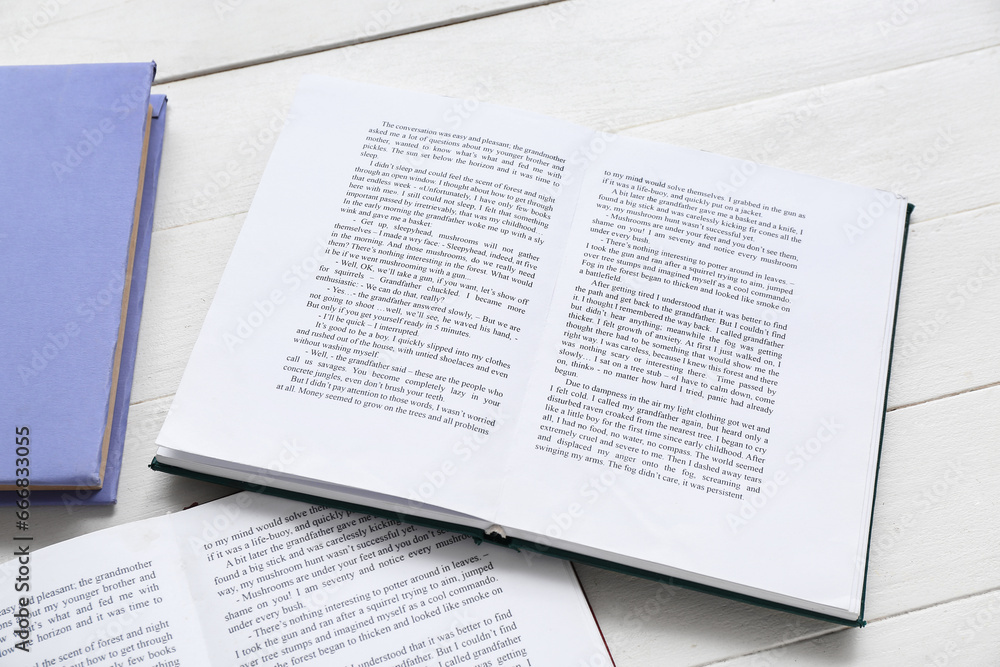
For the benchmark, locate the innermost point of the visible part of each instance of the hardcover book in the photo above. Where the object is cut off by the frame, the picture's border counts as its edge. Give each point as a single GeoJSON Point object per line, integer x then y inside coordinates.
{"type": "Point", "coordinates": [648, 358]}
{"type": "Point", "coordinates": [73, 164]}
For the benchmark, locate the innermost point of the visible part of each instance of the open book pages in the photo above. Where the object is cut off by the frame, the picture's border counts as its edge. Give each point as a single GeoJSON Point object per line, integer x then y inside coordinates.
{"type": "Point", "coordinates": [648, 356]}
{"type": "Point", "coordinates": [256, 580]}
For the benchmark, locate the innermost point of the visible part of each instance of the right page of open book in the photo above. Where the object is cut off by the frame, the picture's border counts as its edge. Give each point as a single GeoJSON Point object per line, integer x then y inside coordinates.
{"type": "Point", "coordinates": [709, 397]}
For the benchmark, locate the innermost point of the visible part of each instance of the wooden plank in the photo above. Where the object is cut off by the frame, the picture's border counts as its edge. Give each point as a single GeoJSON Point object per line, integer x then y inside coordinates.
{"type": "Point", "coordinates": [871, 131]}
{"type": "Point", "coordinates": [185, 266]}
{"type": "Point", "coordinates": [632, 62]}
{"type": "Point", "coordinates": [867, 130]}
{"type": "Point", "coordinates": [964, 632]}
{"type": "Point", "coordinates": [949, 308]}
{"type": "Point", "coordinates": [192, 37]}
{"type": "Point", "coordinates": [936, 532]}
{"type": "Point", "coordinates": [646, 623]}
{"type": "Point", "coordinates": [934, 539]}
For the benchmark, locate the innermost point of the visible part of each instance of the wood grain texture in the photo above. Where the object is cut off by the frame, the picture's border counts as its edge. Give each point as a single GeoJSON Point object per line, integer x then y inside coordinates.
{"type": "Point", "coordinates": [881, 121]}
{"type": "Point", "coordinates": [185, 266]}
{"type": "Point", "coordinates": [935, 533]}
{"type": "Point", "coordinates": [948, 324]}
{"type": "Point", "coordinates": [962, 633]}
{"type": "Point", "coordinates": [193, 37]}
{"type": "Point", "coordinates": [870, 132]}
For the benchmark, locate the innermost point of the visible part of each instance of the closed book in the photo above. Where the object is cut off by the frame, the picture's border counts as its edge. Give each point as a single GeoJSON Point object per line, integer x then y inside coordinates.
{"type": "Point", "coordinates": [73, 162]}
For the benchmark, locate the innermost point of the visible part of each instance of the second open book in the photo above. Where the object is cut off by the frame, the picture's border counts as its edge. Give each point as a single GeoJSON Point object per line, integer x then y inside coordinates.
{"type": "Point", "coordinates": [646, 357]}
{"type": "Point", "coordinates": [251, 580]}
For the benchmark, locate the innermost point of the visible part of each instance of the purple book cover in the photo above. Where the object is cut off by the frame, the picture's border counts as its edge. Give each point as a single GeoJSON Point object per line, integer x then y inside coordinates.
{"type": "Point", "coordinates": [71, 142]}
{"type": "Point", "coordinates": [108, 493]}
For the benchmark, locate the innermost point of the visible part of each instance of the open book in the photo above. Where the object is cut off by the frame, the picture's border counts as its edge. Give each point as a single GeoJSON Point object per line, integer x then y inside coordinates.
{"type": "Point", "coordinates": [254, 580]}
{"type": "Point", "coordinates": [643, 357]}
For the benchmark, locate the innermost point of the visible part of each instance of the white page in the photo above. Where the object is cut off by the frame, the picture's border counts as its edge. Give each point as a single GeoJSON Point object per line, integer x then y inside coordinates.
{"type": "Point", "coordinates": [252, 580]}
{"type": "Point", "coordinates": [788, 503]}
{"type": "Point", "coordinates": [108, 597]}
{"type": "Point", "coordinates": [410, 363]}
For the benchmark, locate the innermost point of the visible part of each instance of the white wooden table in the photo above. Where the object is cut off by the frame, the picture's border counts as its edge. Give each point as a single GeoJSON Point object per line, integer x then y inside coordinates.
{"type": "Point", "coordinates": [901, 95]}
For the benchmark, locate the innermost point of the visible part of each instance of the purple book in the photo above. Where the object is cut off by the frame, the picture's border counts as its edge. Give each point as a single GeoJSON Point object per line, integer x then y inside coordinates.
{"type": "Point", "coordinates": [71, 148]}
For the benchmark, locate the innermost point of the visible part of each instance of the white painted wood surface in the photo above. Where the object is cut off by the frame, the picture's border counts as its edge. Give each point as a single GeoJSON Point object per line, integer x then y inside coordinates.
{"type": "Point", "coordinates": [900, 94]}
{"type": "Point", "coordinates": [196, 37]}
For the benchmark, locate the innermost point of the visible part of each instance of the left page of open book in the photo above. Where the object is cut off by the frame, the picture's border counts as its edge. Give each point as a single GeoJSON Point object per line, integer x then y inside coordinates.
{"type": "Point", "coordinates": [255, 580]}
{"type": "Point", "coordinates": [375, 324]}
